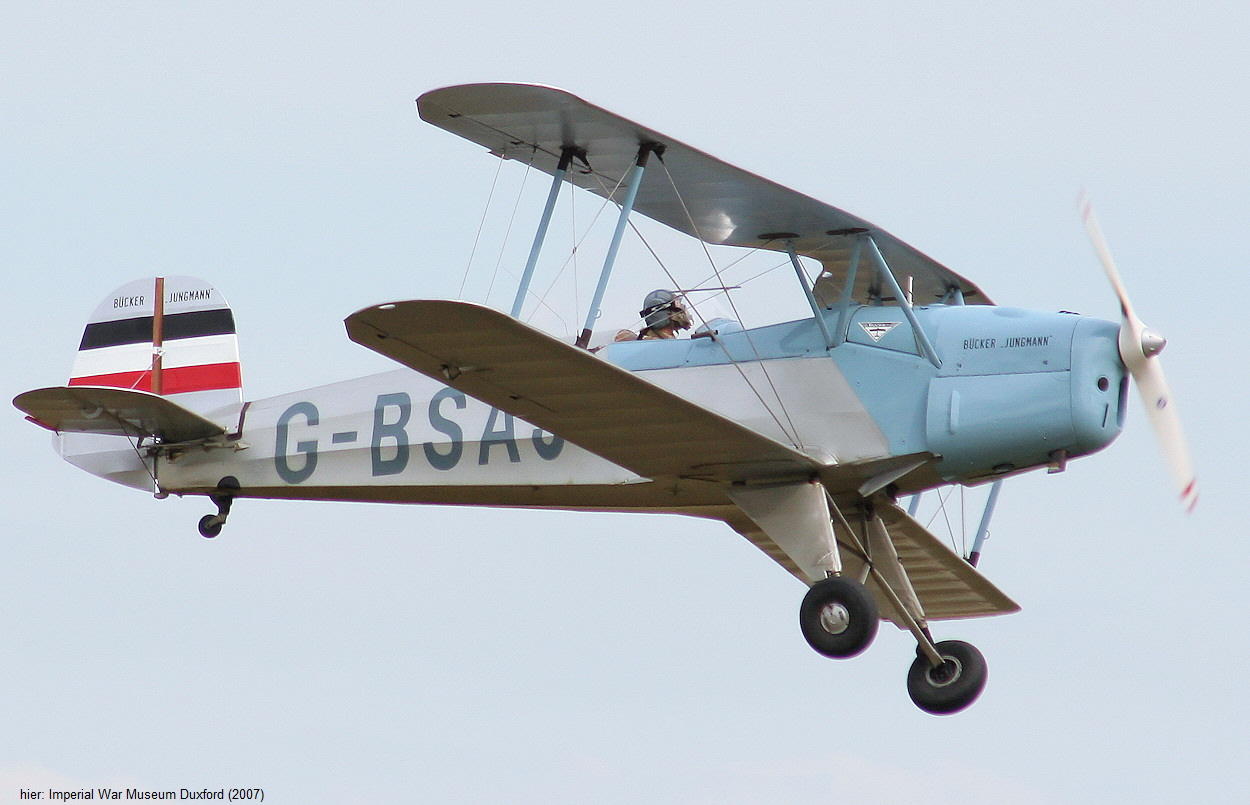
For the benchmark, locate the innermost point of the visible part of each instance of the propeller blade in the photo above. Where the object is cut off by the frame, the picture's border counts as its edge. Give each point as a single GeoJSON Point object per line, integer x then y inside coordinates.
{"type": "Point", "coordinates": [1153, 387]}
{"type": "Point", "coordinates": [1139, 349]}
{"type": "Point", "coordinates": [1104, 254]}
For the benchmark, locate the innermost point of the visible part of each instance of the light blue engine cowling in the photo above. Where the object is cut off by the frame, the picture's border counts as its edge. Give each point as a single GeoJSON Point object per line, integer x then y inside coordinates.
{"type": "Point", "coordinates": [1017, 386]}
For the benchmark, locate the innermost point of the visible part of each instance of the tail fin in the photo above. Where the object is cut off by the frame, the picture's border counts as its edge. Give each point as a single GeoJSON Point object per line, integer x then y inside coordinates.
{"type": "Point", "coordinates": [171, 336]}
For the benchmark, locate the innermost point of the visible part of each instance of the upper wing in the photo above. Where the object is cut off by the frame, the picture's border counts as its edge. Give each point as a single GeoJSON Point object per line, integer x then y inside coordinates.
{"type": "Point", "coordinates": [570, 392]}
{"type": "Point", "coordinates": [718, 203]}
{"type": "Point", "coordinates": [114, 412]}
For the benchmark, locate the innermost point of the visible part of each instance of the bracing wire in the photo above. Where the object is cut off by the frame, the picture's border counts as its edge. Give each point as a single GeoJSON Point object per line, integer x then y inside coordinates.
{"type": "Point", "coordinates": [480, 226]}
{"type": "Point", "coordinates": [959, 541]}
{"type": "Point", "coordinates": [717, 273]}
{"type": "Point", "coordinates": [508, 230]}
{"type": "Point", "coordinates": [572, 258]}
{"type": "Point", "coordinates": [946, 515]}
{"type": "Point", "coordinates": [792, 433]}
{"type": "Point", "coordinates": [745, 281]}
{"type": "Point", "coordinates": [135, 444]}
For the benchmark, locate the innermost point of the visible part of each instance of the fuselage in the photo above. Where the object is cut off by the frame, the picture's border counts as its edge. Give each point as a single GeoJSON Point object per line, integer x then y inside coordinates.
{"type": "Point", "coordinates": [1015, 390]}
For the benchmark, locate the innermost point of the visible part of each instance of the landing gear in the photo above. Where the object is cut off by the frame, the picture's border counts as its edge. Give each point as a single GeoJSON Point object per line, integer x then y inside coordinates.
{"type": "Point", "coordinates": [951, 686]}
{"type": "Point", "coordinates": [839, 617]}
{"type": "Point", "coordinates": [211, 524]}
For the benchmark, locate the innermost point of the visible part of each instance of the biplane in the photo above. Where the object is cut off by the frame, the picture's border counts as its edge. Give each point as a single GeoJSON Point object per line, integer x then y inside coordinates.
{"type": "Point", "coordinates": [803, 436]}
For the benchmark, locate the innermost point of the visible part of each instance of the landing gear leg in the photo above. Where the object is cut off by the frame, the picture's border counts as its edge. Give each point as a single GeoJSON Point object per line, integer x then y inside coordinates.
{"type": "Point", "coordinates": [946, 677]}
{"type": "Point", "coordinates": [211, 524]}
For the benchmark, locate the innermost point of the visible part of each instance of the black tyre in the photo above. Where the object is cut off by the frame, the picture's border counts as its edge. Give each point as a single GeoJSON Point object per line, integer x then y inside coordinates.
{"type": "Point", "coordinates": [951, 687]}
{"type": "Point", "coordinates": [839, 617]}
{"type": "Point", "coordinates": [210, 525]}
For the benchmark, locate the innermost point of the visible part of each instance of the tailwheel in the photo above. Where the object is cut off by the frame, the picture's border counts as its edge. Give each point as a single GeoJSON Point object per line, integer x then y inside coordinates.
{"type": "Point", "coordinates": [839, 617]}
{"type": "Point", "coordinates": [210, 525]}
{"type": "Point", "coordinates": [951, 686]}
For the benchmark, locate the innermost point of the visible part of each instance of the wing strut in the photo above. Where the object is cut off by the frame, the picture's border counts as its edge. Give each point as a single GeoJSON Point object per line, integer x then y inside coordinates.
{"type": "Point", "coordinates": [627, 206]}
{"type": "Point", "coordinates": [848, 292]}
{"type": "Point", "coordinates": [887, 275]}
{"type": "Point", "coordinates": [566, 158]}
{"type": "Point", "coordinates": [983, 530]}
{"type": "Point", "coordinates": [807, 291]}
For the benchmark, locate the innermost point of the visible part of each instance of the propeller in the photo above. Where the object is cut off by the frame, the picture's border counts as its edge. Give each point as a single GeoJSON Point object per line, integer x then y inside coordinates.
{"type": "Point", "coordinates": [1139, 349]}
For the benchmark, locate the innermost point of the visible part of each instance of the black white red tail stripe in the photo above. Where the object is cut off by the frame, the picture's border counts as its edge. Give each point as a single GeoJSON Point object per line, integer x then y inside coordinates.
{"type": "Point", "coordinates": [198, 349]}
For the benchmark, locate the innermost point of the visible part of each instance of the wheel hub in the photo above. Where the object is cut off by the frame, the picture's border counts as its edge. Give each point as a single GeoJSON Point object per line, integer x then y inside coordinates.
{"type": "Point", "coordinates": [946, 673]}
{"type": "Point", "coordinates": [835, 618]}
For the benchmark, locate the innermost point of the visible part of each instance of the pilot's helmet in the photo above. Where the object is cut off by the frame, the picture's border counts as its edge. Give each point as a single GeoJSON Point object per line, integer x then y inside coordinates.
{"type": "Point", "coordinates": [663, 308]}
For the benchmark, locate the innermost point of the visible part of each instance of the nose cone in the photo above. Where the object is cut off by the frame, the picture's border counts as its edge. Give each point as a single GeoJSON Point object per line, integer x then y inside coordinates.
{"type": "Point", "coordinates": [1152, 343]}
{"type": "Point", "coordinates": [1099, 385]}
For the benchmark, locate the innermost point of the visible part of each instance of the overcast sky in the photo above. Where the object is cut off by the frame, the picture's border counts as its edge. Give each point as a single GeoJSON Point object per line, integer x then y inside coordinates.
{"type": "Point", "coordinates": [353, 653]}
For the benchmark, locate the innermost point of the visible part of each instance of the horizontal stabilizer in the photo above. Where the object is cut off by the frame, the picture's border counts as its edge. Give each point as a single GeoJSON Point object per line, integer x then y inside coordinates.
{"type": "Point", "coordinates": [570, 392]}
{"type": "Point", "coordinates": [114, 412]}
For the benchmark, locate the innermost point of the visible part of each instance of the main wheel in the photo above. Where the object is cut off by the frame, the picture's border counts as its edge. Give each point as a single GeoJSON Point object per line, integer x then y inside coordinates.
{"type": "Point", "coordinates": [952, 686]}
{"type": "Point", "coordinates": [210, 525]}
{"type": "Point", "coordinates": [839, 617]}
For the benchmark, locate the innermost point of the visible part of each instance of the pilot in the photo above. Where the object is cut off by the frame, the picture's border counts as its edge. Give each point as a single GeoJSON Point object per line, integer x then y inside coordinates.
{"type": "Point", "coordinates": [664, 314]}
